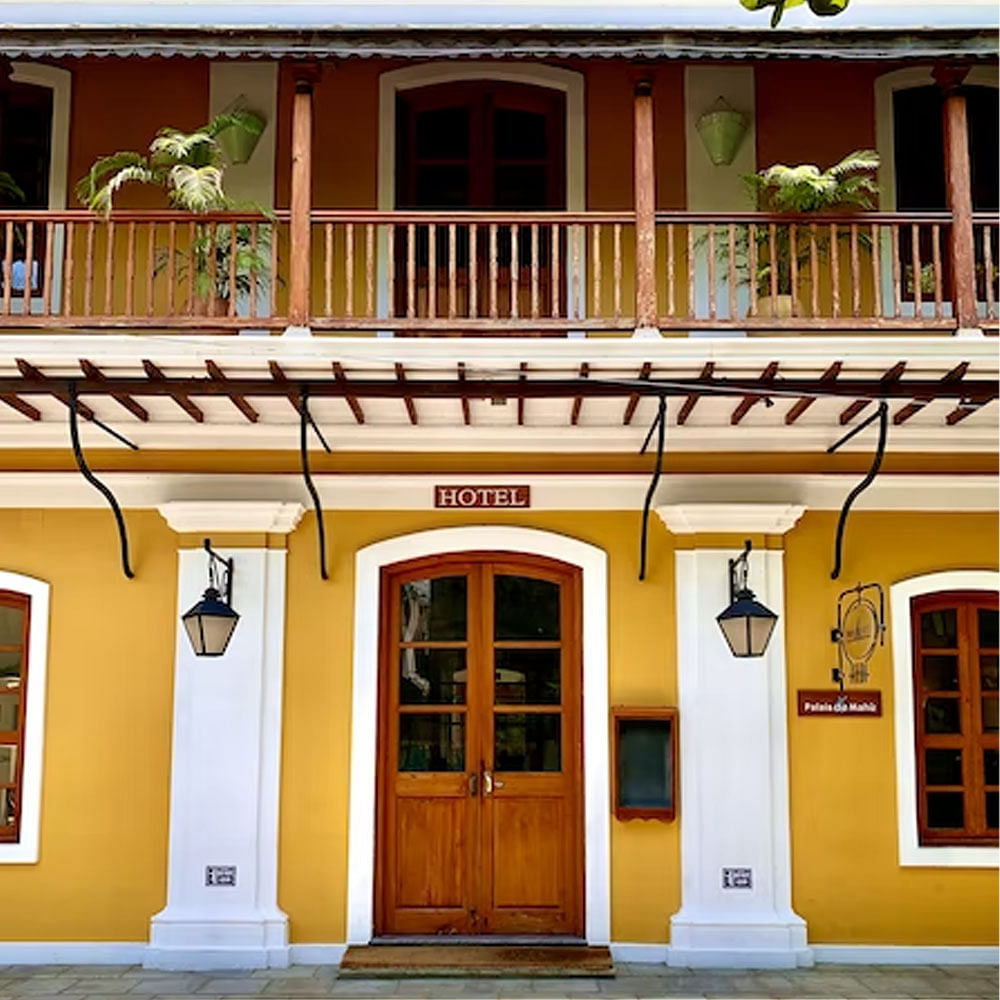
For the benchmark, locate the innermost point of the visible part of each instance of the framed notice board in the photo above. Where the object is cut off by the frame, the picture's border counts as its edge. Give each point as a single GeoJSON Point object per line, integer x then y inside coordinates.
{"type": "Point", "coordinates": [644, 762]}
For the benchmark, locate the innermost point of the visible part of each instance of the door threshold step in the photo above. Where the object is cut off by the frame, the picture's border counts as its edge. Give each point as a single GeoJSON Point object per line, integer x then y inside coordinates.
{"type": "Point", "coordinates": [467, 961]}
{"type": "Point", "coordinates": [480, 940]}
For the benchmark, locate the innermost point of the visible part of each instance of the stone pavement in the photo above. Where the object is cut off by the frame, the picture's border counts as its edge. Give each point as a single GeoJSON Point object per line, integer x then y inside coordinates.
{"type": "Point", "coordinates": [833, 982]}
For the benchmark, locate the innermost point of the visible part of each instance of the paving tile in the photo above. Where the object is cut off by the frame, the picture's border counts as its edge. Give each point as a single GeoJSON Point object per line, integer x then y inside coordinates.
{"type": "Point", "coordinates": [107, 985]}
{"type": "Point", "coordinates": [174, 984]}
{"type": "Point", "coordinates": [368, 987]}
{"type": "Point", "coordinates": [292, 972]}
{"type": "Point", "coordinates": [311, 987]}
{"type": "Point", "coordinates": [231, 986]}
{"type": "Point", "coordinates": [41, 985]}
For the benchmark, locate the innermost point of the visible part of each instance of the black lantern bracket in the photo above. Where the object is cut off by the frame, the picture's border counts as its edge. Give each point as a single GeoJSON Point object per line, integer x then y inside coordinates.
{"type": "Point", "coordinates": [739, 574]}
{"type": "Point", "coordinates": [220, 574]}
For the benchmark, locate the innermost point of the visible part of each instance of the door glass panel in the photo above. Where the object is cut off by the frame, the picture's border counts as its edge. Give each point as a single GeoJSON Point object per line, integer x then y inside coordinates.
{"type": "Point", "coordinates": [11, 626]}
{"type": "Point", "coordinates": [944, 767]}
{"type": "Point", "coordinates": [8, 806]}
{"type": "Point", "coordinates": [939, 629]}
{"type": "Point", "coordinates": [432, 676]}
{"type": "Point", "coordinates": [10, 704]}
{"type": "Point", "coordinates": [519, 135]}
{"type": "Point", "coordinates": [442, 186]}
{"type": "Point", "coordinates": [443, 133]}
{"type": "Point", "coordinates": [434, 610]}
{"type": "Point", "coordinates": [945, 810]}
{"type": "Point", "coordinates": [520, 186]}
{"type": "Point", "coordinates": [527, 677]}
{"type": "Point", "coordinates": [988, 672]}
{"type": "Point", "coordinates": [527, 742]}
{"type": "Point", "coordinates": [991, 716]}
{"type": "Point", "coordinates": [8, 765]}
{"type": "Point", "coordinates": [991, 767]}
{"type": "Point", "coordinates": [432, 742]}
{"type": "Point", "coordinates": [991, 810]}
{"type": "Point", "coordinates": [525, 608]}
{"type": "Point", "coordinates": [988, 628]}
{"type": "Point", "coordinates": [940, 673]}
{"type": "Point", "coordinates": [941, 715]}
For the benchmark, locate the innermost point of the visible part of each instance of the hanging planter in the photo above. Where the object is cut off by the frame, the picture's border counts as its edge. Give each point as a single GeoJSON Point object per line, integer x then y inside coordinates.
{"type": "Point", "coordinates": [722, 130]}
{"type": "Point", "coordinates": [240, 140]}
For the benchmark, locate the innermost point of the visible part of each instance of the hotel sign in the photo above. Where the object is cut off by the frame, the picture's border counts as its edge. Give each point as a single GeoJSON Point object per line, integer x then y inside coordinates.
{"type": "Point", "coordinates": [482, 496]}
{"type": "Point", "coordinates": [842, 703]}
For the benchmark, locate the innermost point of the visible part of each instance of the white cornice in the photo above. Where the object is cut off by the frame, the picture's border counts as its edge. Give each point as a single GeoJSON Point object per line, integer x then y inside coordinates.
{"type": "Point", "coordinates": [271, 516]}
{"type": "Point", "coordinates": [754, 518]}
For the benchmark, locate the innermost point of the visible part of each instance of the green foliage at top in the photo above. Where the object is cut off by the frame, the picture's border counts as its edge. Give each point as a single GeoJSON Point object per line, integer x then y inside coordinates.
{"type": "Point", "coordinates": [189, 166]}
{"type": "Point", "coordinates": [821, 8]}
{"type": "Point", "coordinates": [846, 186]}
{"type": "Point", "coordinates": [10, 191]}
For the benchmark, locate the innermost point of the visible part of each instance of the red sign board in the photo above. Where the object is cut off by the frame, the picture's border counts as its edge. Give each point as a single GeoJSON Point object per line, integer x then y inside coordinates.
{"type": "Point", "coordinates": [482, 496]}
{"type": "Point", "coordinates": [840, 703]}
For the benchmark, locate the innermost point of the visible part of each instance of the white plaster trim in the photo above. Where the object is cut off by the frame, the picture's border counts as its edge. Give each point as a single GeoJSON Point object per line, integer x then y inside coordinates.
{"type": "Point", "coordinates": [902, 954]}
{"type": "Point", "coordinates": [755, 518]}
{"type": "Point", "coordinates": [72, 952]}
{"type": "Point", "coordinates": [361, 830]}
{"type": "Point", "coordinates": [25, 851]}
{"type": "Point", "coordinates": [273, 517]}
{"type": "Point", "coordinates": [552, 491]}
{"type": "Point", "coordinates": [911, 853]}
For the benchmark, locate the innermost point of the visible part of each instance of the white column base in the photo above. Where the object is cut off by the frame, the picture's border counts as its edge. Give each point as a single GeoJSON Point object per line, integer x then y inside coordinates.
{"type": "Point", "coordinates": [974, 332]}
{"type": "Point", "coordinates": [297, 331]}
{"type": "Point", "coordinates": [241, 940]}
{"type": "Point", "coordinates": [767, 942]}
{"type": "Point", "coordinates": [647, 333]}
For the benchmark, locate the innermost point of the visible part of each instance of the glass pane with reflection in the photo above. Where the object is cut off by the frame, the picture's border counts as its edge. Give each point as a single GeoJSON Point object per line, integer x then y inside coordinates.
{"type": "Point", "coordinates": [8, 806]}
{"type": "Point", "coordinates": [526, 742]}
{"type": "Point", "coordinates": [991, 767]}
{"type": "Point", "coordinates": [945, 810]}
{"type": "Point", "coordinates": [432, 677]}
{"type": "Point", "coordinates": [525, 608]}
{"type": "Point", "coordinates": [527, 677]}
{"type": "Point", "coordinates": [432, 742]}
{"type": "Point", "coordinates": [943, 767]}
{"type": "Point", "coordinates": [991, 715]}
{"type": "Point", "coordinates": [10, 711]}
{"type": "Point", "coordinates": [939, 629]}
{"type": "Point", "coordinates": [988, 671]}
{"type": "Point", "coordinates": [941, 715]}
{"type": "Point", "coordinates": [8, 765]}
{"type": "Point", "coordinates": [991, 810]}
{"type": "Point", "coordinates": [940, 673]}
{"type": "Point", "coordinates": [434, 610]}
{"type": "Point", "coordinates": [11, 626]}
{"type": "Point", "coordinates": [989, 618]}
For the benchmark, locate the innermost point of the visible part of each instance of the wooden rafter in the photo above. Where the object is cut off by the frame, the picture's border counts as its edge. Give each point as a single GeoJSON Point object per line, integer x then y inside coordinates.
{"type": "Point", "coordinates": [905, 412]}
{"type": "Point", "coordinates": [411, 409]}
{"type": "Point", "coordinates": [30, 371]}
{"type": "Point", "coordinates": [22, 406]}
{"type": "Point", "coordinates": [574, 417]}
{"type": "Point", "coordinates": [892, 375]}
{"type": "Point", "coordinates": [352, 401]}
{"type": "Point", "coordinates": [466, 414]}
{"type": "Point", "coordinates": [239, 400]}
{"type": "Point", "coordinates": [688, 405]}
{"type": "Point", "coordinates": [123, 399]}
{"type": "Point", "coordinates": [278, 374]}
{"type": "Point", "coordinates": [960, 412]}
{"type": "Point", "coordinates": [801, 405]}
{"type": "Point", "coordinates": [747, 402]}
{"type": "Point", "coordinates": [633, 400]}
{"type": "Point", "coordinates": [522, 376]}
{"type": "Point", "coordinates": [154, 374]}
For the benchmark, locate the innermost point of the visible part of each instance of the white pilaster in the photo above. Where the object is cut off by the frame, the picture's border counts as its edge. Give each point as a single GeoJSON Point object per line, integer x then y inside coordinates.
{"type": "Point", "coordinates": [225, 771]}
{"type": "Point", "coordinates": [733, 759]}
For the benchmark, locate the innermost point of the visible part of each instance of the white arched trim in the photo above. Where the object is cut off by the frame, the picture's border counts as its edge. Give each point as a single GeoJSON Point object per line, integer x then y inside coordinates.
{"type": "Point", "coordinates": [25, 851]}
{"type": "Point", "coordinates": [900, 596]}
{"type": "Point", "coordinates": [592, 561]}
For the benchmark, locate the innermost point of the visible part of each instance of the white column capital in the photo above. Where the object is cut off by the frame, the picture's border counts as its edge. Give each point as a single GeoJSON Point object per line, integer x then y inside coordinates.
{"type": "Point", "coordinates": [752, 518]}
{"type": "Point", "coordinates": [277, 517]}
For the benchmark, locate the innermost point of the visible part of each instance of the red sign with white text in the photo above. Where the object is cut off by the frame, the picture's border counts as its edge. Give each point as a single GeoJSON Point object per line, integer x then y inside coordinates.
{"type": "Point", "coordinates": [482, 496]}
{"type": "Point", "coordinates": [841, 703]}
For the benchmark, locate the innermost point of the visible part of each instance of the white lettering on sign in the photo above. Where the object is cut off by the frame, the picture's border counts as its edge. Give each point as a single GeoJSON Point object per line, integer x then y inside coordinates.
{"type": "Point", "coordinates": [840, 703]}
{"type": "Point", "coordinates": [482, 496]}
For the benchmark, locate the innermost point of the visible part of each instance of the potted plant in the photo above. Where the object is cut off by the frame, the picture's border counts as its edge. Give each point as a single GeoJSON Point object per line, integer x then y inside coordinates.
{"type": "Point", "coordinates": [190, 167]}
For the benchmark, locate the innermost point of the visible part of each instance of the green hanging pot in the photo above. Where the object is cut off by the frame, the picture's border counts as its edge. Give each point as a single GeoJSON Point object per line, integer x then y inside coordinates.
{"type": "Point", "coordinates": [239, 141]}
{"type": "Point", "coordinates": [722, 131]}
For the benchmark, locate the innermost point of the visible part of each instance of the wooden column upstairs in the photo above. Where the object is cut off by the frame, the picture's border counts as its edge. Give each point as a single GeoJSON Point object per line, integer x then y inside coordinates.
{"type": "Point", "coordinates": [300, 222]}
{"type": "Point", "coordinates": [645, 209]}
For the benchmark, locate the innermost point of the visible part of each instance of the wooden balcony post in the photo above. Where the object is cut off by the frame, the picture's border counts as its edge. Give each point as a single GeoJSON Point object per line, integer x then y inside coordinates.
{"type": "Point", "coordinates": [300, 222]}
{"type": "Point", "coordinates": [644, 183]}
{"type": "Point", "coordinates": [958, 187]}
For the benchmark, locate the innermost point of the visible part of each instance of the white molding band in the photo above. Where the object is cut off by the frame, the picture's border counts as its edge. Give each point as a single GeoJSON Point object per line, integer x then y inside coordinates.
{"type": "Point", "coordinates": [224, 794]}
{"type": "Point", "coordinates": [755, 518]}
{"type": "Point", "coordinates": [25, 851]}
{"type": "Point", "coordinates": [361, 831]}
{"type": "Point", "coordinates": [911, 853]}
{"type": "Point", "coordinates": [274, 517]}
{"type": "Point", "coordinates": [903, 954]}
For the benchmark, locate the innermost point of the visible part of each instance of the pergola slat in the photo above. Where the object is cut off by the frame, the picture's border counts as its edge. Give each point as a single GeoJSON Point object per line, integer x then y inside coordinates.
{"type": "Point", "coordinates": [239, 400]}
{"type": "Point", "coordinates": [633, 400]}
{"type": "Point", "coordinates": [689, 403]}
{"type": "Point", "coordinates": [905, 412]}
{"type": "Point", "coordinates": [466, 414]}
{"type": "Point", "coordinates": [155, 374]}
{"type": "Point", "coordinates": [352, 401]}
{"type": "Point", "coordinates": [123, 399]}
{"type": "Point", "coordinates": [411, 409]}
{"type": "Point", "coordinates": [574, 417]}
{"type": "Point", "coordinates": [803, 404]}
{"type": "Point", "coordinates": [892, 375]}
{"type": "Point", "coordinates": [29, 371]}
{"type": "Point", "coordinates": [22, 406]}
{"type": "Point", "coordinates": [747, 402]}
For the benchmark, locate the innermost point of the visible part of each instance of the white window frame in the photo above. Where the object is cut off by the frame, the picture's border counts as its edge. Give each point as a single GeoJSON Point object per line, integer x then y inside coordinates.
{"type": "Point", "coordinates": [911, 851]}
{"type": "Point", "coordinates": [25, 851]}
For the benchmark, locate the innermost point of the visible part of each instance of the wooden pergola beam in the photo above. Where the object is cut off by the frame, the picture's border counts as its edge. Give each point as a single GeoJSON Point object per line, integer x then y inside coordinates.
{"type": "Point", "coordinates": [803, 404]}
{"type": "Point", "coordinates": [411, 409]}
{"type": "Point", "coordinates": [29, 371]}
{"type": "Point", "coordinates": [689, 403]}
{"type": "Point", "coordinates": [574, 417]}
{"type": "Point", "coordinates": [352, 401]}
{"type": "Point", "coordinates": [278, 374]}
{"type": "Point", "coordinates": [466, 414]}
{"type": "Point", "coordinates": [123, 399]}
{"type": "Point", "coordinates": [155, 375]}
{"type": "Point", "coordinates": [22, 406]}
{"type": "Point", "coordinates": [892, 375]}
{"type": "Point", "coordinates": [633, 400]}
{"type": "Point", "coordinates": [747, 402]}
{"type": "Point", "coordinates": [522, 376]}
{"type": "Point", "coordinates": [239, 400]}
{"type": "Point", "coordinates": [904, 413]}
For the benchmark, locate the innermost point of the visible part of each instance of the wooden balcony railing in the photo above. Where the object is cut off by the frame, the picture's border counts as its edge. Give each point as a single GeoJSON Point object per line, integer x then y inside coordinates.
{"type": "Point", "coordinates": [539, 273]}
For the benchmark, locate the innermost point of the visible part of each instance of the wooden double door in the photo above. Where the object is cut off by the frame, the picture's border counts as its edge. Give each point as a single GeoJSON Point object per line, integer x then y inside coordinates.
{"type": "Point", "coordinates": [480, 817]}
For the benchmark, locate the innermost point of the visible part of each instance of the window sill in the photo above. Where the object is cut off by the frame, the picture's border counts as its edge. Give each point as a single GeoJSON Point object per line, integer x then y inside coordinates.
{"type": "Point", "coordinates": [913, 856]}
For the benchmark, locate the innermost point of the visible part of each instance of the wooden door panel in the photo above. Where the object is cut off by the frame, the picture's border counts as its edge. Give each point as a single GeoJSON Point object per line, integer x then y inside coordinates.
{"type": "Point", "coordinates": [431, 840]}
{"type": "Point", "coordinates": [528, 838]}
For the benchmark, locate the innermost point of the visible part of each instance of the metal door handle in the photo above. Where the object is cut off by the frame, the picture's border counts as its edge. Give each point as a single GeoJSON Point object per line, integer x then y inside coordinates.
{"type": "Point", "coordinates": [473, 785]}
{"type": "Point", "coordinates": [489, 782]}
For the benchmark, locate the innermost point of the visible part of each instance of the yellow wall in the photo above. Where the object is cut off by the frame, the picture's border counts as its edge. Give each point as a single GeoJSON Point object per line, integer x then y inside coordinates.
{"type": "Point", "coordinates": [846, 882]}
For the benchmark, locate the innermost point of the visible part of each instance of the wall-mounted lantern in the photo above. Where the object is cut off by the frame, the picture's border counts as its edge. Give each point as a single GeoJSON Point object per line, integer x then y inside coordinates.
{"type": "Point", "coordinates": [746, 624]}
{"type": "Point", "coordinates": [722, 129]}
{"type": "Point", "coordinates": [211, 622]}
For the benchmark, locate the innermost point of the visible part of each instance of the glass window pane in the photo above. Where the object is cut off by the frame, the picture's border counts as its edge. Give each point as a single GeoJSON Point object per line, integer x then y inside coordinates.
{"type": "Point", "coordinates": [941, 715]}
{"type": "Point", "coordinates": [10, 704]}
{"type": "Point", "coordinates": [11, 626]}
{"type": "Point", "coordinates": [442, 186]}
{"type": "Point", "coordinates": [527, 742]}
{"type": "Point", "coordinates": [988, 672]}
{"type": "Point", "coordinates": [644, 765]}
{"type": "Point", "coordinates": [991, 810]}
{"type": "Point", "coordinates": [991, 770]}
{"type": "Point", "coordinates": [432, 742]}
{"type": "Point", "coordinates": [8, 765]}
{"type": "Point", "coordinates": [940, 673]}
{"type": "Point", "coordinates": [991, 717]}
{"type": "Point", "coordinates": [433, 610]}
{"type": "Point", "coordinates": [527, 677]}
{"type": "Point", "coordinates": [945, 810]}
{"type": "Point", "coordinates": [519, 135]}
{"type": "Point", "coordinates": [520, 186]}
{"type": "Point", "coordinates": [525, 608]}
{"type": "Point", "coordinates": [939, 629]}
{"type": "Point", "coordinates": [943, 767]}
{"type": "Point", "coordinates": [443, 133]}
{"type": "Point", "coordinates": [988, 619]}
{"type": "Point", "coordinates": [432, 676]}
{"type": "Point", "coordinates": [8, 806]}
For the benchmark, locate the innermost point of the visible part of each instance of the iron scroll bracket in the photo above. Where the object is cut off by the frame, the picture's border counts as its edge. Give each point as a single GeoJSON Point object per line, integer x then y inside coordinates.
{"type": "Point", "coordinates": [659, 425]}
{"type": "Point", "coordinates": [883, 430]}
{"type": "Point", "coordinates": [305, 422]}
{"type": "Point", "coordinates": [81, 463]}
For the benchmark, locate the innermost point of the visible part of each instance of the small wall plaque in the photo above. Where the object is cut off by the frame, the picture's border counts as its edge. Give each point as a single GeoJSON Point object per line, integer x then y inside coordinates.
{"type": "Point", "coordinates": [840, 703]}
{"type": "Point", "coordinates": [737, 878]}
{"type": "Point", "coordinates": [482, 496]}
{"type": "Point", "coordinates": [220, 875]}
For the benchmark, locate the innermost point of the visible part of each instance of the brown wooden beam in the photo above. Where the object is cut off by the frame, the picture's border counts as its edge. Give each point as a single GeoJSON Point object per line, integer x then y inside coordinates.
{"type": "Point", "coordinates": [960, 413]}
{"type": "Point", "coordinates": [300, 204]}
{"type": "Point", "coordinates": [136, 409]}
{"type": "Point", "coordinates": [892, 375]}
{"type": "Point", "coordinates": [523, 369]}
{"type": "Point", "coordinates": [278, 374]}
{"type": "Point", "coordinates": [22, 406]}
{"type": "Point", "coordinates": [352, 401]}
{"type": "Point", "coordinates": [154, 374]}
{"type": "Point", "coordinates": [574, 417]}
{"type": "Point", "coordinates": [411, 409]}
{"type": "Point", "coordinates": [905, 412]}
{"type": "Point", "coordinates": [689, 403]}
{"type": "Point", "coordinates": [747, 402]}
{"type": "Point", "coordinates": [466, 414]}
{"type": "Point", "coordinates": [239, 401]}
{"type": "Point", "coordinates": [644, 193]}
{"type": "Point", "coordinates": [29, 371]}
{"type": "Point", "coordinates": [633, 400]}
{"type": "Point", "coordinates": [802, 405]}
